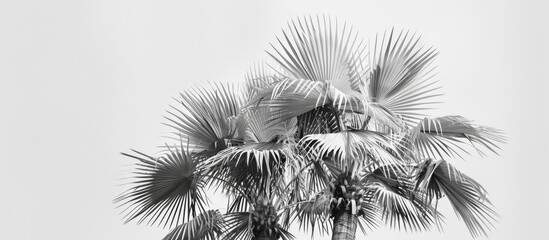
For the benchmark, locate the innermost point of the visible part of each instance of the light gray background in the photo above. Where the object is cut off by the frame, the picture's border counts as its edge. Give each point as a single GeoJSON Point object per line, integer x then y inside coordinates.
{"type": "Point", "coordinates": [81, 81]}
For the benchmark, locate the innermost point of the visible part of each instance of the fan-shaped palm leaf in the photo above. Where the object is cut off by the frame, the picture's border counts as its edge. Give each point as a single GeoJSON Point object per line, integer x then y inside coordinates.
{"type": "Point", "coordinates": [166, 190]}
{"type": "Point", "coordinates": [401, 79]}
{"type": "Point", "coordinates": [378, 117]}
{"type": "Point", "coordinates": [467, 197]}
{"type": "Point", "coordinates": [203, 117]}
{"type": "Point", "coordinates": [439, 137]}
{"type": "Point", "coordinates": [322, 50]}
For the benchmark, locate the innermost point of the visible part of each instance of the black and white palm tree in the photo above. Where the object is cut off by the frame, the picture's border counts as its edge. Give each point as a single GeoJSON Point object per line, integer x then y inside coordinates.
{"type": "Point", "coordinates": [331, 134]}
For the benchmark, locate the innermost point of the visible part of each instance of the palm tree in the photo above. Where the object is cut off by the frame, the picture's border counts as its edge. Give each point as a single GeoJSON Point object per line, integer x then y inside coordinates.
{"type": "Point", "coordinates": [331, 134]}
{"type": "Point", "coordinates": [365, 141]}
{"type": "Point", "coordinates": [362, 137]}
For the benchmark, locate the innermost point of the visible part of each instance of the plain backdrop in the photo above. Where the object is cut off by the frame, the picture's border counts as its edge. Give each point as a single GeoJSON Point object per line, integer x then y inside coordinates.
{"type": "Point", "coordinates": [82, 81]}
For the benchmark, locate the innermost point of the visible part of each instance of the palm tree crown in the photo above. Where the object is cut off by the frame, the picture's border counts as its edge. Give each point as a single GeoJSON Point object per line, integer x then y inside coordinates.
{"type": "Point", "coordinates": [330, 134]}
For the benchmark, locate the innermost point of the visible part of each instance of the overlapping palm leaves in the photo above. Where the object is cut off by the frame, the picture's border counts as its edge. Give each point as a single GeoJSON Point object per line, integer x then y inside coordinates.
{"type": "Point", "coordinates": [446, 136]}
{"type": "Point", "coordinates": [171, 190]}
{"type": "Point", "coordinates": [467, 197]}
{"type": "Point", "coordinates": [201, 117]}
{"type": "Point", "coordinates": [332, 125]}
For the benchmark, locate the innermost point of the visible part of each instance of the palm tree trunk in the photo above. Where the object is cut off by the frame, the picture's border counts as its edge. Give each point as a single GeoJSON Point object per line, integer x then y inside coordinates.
{"type": "Point", "coordinates": [344, 226]}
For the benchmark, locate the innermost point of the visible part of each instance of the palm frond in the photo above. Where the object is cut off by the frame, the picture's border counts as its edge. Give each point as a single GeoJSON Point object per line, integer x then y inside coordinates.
{"type": "Point", "coordinates": [375, 116]}
{"type": "Point", "coordinates": [259, 159]}
{"type": "Point", "coordinates": [352, 149]}
{"type": "Point", "coordinates": [402, 76]}
{"type": "Point", "coordinates": [310, 175]}
{"type": "Point", "coordinates": [443, 136]}
{"type": "Point", "coordinates": [467, 197]}
{"type": "Point", "coordinates": [322, 50]}
{"type": "Point", "coordinates": [262, 156]}
{"type": "Point", "coordinates": [371, 216]}
{"type": "Point", "coordinates": [317, 121]}
{"type": "Point", "coordinates": [206, 226]}
{"type": "Point", "coordinates": [285, 234]}
{"type": "Point", "coordinates": [261, 76]}
{"type": "Point", "coordinates": [259, 131]}
{"type": "Point", "coordinates": [314, 214]}
{"type": "Point", "coordinates": [203, 117]}
{"type": "Point", "coordinates": [239, 226]}
{"type": "Point", "coordinates": [400, 211]}
{"type": "Point", "coordinates": [322, 174]}
{"type": "Point", "coordinates": [401, 206]}
{"type": "Point", "coordinates": [250, 167]}
{"type": "Point", "coordinates": [239, 203]}
{"type": "Point", "coordinates": [293, 97]}
{"type": "Point", "coordinates": [166, 190]}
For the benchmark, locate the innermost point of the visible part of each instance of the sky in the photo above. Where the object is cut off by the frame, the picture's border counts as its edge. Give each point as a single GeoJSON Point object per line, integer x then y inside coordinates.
{"type": "Point", "coordinates": [82, 81]}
